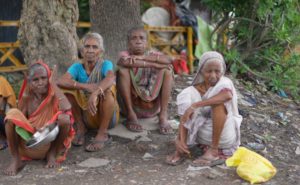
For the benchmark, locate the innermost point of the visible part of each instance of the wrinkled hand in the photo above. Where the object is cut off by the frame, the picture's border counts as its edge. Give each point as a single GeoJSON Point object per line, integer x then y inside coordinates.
{"type": "Point", "coordinates": [163, 66]}
{"type": "Point", "coordinates": [181, 147]}
{"type": "Point", "coordinates": [92, 88]}
{"type": "Point", "coordinates": [187, 115]}
{"type": "Point", "coordinates": [138, 57]}
{"type": "Point", "coordinates": [53, 77]}
{"type": "Point", "coordinates": [92, 103]}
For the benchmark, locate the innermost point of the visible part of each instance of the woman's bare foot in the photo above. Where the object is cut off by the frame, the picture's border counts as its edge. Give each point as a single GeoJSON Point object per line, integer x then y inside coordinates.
{"type": "Point", "coordinates": [79, 138]}
{"type": "Point", "coordinates": [174, 159]}
{"type": "Point", "coordinates": [51, 161]}
{"type": "Point", "coordinates": [15, 166]}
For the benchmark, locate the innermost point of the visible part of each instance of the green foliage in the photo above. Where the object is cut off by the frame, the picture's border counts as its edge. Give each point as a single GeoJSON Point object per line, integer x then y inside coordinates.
{"type": "Point", "coordinates": [84, 10]}
{"type": "Point", "coordinates": [145, 5]}
{"type": "Point", "coordinates": [259, 36]}
{"type": "Point", "coordinates": [84, 15]}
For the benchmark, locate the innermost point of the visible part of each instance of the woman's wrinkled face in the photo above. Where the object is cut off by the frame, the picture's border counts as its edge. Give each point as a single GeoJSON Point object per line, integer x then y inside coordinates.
{"type": "Point", "coordinates": [212, 72]}
{"type": "Point", "coordinates": [137, 42]}
{"type": "Point", "coordinates": [91, 50]}
{"type": "Point", "coordinates": [39, 81]}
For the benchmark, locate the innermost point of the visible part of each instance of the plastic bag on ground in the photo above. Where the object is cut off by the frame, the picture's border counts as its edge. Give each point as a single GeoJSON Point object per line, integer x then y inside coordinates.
{"type": "Point", "coordinates": [251, 166]}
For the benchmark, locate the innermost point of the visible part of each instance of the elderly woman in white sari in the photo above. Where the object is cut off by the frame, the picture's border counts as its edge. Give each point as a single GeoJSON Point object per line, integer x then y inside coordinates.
{"type": "Point", "coordinates": [209, 114]}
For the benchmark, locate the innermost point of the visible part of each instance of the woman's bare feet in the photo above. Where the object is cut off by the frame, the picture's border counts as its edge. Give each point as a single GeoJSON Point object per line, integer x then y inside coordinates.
{"type": "Point", "coordinates": [15, 166]}
{"type": "Point", "coordinates": [51, 161]}
{"type": "Point", "coordinates": [164, 126]}
{"type": "Point", "coordinates": [79, 138]}
{"type": "Point", "coordinates": [174, 159]}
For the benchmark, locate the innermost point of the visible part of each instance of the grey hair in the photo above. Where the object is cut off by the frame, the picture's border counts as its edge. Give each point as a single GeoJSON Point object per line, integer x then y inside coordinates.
{"type": "Point", "coordinates": [206, 58]}
{"type": "Point", "coordinates": [94, 35]}
{"type": "Point", "coordinates": [213, 60]}
{"type": "Point", "coordinates": [32, 69]}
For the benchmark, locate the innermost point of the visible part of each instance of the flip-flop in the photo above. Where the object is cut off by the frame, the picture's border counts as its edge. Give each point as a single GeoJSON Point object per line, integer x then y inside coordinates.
{"type": "Point", "coordinates": [77, 138]}
{"type": "Point", "coordinates": [94, 142]}
{"type": "Point", "coordinates": [209, 163]}
{"type": "Point", "coordinates": [133, 126]}
{"type": "Point", "coordinates": [3, 145]}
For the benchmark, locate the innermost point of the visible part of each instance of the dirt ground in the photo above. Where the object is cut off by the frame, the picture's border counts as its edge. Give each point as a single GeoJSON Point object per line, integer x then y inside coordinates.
{"type": "Point", "coordinates": [268, 119]}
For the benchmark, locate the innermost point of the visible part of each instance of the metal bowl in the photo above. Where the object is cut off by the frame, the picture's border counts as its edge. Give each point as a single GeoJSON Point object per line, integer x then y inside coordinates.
{"type": "Point", "coordinates": [44, 136]}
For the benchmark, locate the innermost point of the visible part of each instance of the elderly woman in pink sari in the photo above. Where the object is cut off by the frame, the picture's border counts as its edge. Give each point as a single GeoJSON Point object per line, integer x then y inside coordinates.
{"type": "Point", "coordinates": [209, 114]}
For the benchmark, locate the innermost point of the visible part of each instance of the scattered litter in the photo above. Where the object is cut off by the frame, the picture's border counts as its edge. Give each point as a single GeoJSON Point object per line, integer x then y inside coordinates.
{"type": "Point", "coordinates": [255, 146]}
{"type": "Point", "coordinates": [282, 94]}
{"type": "Point", "coordinates": [297, 150]}
{"type": "Point", "coordinates": [174, 123]}
{"type": "Point", "coordinates": [147, 156]}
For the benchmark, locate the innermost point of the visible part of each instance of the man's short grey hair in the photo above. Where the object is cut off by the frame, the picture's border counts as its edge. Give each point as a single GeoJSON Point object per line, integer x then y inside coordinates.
{"type": "Point", "coordinates": [138, 28]}
{"type": "Point", "coordinates": [94, 35]}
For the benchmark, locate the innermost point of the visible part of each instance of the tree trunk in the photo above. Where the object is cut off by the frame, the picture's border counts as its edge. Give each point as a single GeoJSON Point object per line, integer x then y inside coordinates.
{"type": "Point", "coordinates": [48, 31]}
{"type": "Point", "coordinates": [112, 19]}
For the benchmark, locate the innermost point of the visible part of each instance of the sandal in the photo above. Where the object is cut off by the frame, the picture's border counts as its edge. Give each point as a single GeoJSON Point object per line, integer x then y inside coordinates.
{"type": "Point", "coordinates": [78, 140]}
{"type": "Point", "coordinates": [201, 162]}
{"type": "Point", "coordinates": [133, 126]}
{"type": "Point", "coordinates": [93, 148]}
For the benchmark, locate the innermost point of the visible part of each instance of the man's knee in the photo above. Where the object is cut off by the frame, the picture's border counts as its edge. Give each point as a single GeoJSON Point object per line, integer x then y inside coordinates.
{"type": "Point", "coordinates": [64, 120]}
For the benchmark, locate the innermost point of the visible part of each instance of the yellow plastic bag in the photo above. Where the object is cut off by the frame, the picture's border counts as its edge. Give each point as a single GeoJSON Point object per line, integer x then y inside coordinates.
{"type": "Point", "coordinates": [251, 166]}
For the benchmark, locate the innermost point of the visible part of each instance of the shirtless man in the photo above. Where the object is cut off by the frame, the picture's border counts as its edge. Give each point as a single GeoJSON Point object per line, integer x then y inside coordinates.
{"type": "Point", "coordinates": [145, 81]}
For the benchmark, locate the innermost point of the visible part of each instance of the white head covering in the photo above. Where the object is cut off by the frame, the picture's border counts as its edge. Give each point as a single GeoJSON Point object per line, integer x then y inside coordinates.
{"type": "Point", "coordinates": [157, 16]}
{"type": "Point", "coordinates": [206, 57]}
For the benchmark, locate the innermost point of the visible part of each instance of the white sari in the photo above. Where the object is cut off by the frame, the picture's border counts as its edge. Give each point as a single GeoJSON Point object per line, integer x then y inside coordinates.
{"type": "Point", "coordinates": [200, 126]}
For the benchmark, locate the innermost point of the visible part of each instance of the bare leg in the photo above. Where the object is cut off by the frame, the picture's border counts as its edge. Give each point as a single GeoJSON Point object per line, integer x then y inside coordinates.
{"type": "Point", "coordinates": [181, 147]}
{"type": "Point", "coordinates": [2, 115]}
{"type": "Point", "coordinates": [78, 117]}
{"type": "Point", "coordinates": [105, 113]}
{"type": "Point", "coordinates": [165, 127]}
{"type": "Point", "coordinates": [219, 115]}
{"type": "Point", "coordinates": [13, 141]}
{"type": "Point", "coordinates": [64, 124]}
{"type": "Point", "coordinates": [124, 87]}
